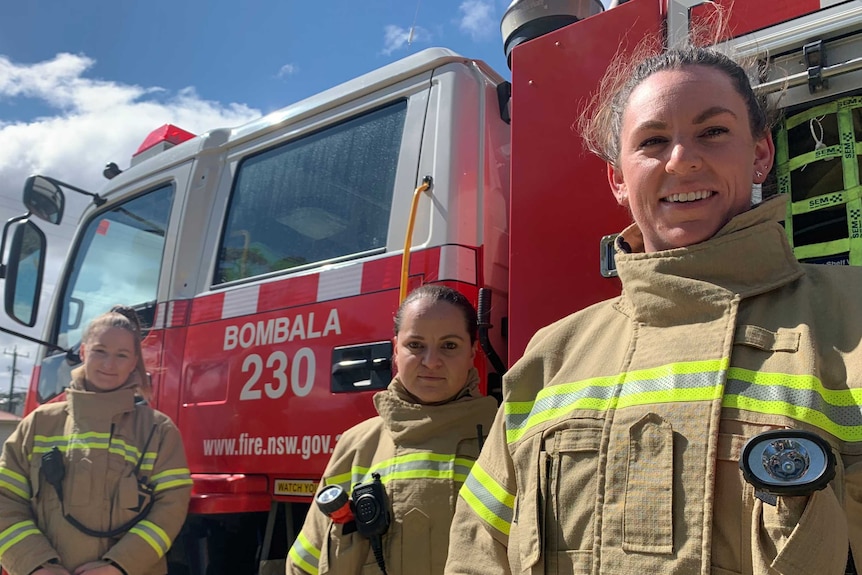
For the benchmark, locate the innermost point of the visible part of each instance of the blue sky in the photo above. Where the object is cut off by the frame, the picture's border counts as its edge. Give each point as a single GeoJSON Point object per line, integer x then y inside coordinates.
{"type": "Point", "coordinates": [82, 83]}
{"type": "Point", "coordinates": [261, 53]}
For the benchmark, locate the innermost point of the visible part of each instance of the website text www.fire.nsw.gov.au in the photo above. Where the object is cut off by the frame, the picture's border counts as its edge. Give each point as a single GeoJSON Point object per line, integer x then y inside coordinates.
{"type": "Point", "coordinates": [302, 445]}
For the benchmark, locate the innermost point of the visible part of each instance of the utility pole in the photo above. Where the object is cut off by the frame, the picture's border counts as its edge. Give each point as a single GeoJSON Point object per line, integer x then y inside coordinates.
{"type": "Point", "coordinates": [14, 355]}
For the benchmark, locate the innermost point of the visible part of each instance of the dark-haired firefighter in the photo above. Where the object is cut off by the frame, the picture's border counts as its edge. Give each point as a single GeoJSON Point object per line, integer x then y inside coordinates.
{"type": "Point", "coordinates": [431, 422]}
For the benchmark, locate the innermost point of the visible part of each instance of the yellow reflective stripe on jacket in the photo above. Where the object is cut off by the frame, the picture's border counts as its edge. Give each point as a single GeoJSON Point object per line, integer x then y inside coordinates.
{"type": "Point", "coordinates": [126, 451]}
{"type": "Point", "coordinates": [171, 478]}
{"type": "Point", "coordinates": [304, 555]}
{"type": "Point", "coordinates": [800, 397]}
{"type": "Point", "coordinates": [149, 460]}
{"type": "Point", "coordinates": [132, 454]}
{"type": "Point", "coordinates": [14, 482]}
{"type": "Point", "coordinates": [553, 402]}
{"type": "Point", "coordinates": [422, 465]}
{"type": "Point", "coordinates": [489, 500]}
{"type": "Point", "coordinates": [674, 382]}
{"type": "Point", "coordinates": [88, 440]}
{"type": "Point", "coordinates": [16, 533]}
{"type": "Point", "coordinates": [94, 440]}
{"type": "Point", "coordinates": [154, 535]}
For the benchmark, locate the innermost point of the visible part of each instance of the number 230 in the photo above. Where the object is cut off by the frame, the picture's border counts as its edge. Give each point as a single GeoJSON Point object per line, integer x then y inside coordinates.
{"type": "Point", "coordinates": [278, 363]}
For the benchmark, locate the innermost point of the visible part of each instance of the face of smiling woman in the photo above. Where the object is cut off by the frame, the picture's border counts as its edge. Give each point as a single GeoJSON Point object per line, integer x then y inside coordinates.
{"type": "Point", "coordinates": [433, 351]}
{"type": "Point", "coordinates": [109, 358]}
{"type": "Point", "coordinates": [687, 156]}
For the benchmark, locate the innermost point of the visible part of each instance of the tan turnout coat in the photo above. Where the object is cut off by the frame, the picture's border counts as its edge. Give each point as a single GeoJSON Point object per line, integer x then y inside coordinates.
{"type": "Point", "coordinates": [423, 454]}
{"type": "Point", "coordinates": [616, 450]}
{"type": "Point", "coordinates": [102, 436]}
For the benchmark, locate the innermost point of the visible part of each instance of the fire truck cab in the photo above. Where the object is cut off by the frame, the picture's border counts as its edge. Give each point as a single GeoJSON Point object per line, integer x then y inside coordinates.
{"type": "Point", "coordinates": [266, 260]}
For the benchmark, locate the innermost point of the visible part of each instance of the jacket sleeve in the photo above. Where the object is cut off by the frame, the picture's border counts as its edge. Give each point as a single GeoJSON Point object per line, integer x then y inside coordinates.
{"type": "Point", "coordinates": [304, 557]}
{"type": "Point", "coordinates": [151, 537]}
{"type": "Point", "coordinates": [23, 546]}
{"type": "Point", "coordinates": [479, 536]}
{"type": "Point", "coordinates": [486, 510]}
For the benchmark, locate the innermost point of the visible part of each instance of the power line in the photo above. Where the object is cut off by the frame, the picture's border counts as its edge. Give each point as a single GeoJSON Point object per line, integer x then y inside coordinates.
{"type": "Point", "coordinates": [10, 406]}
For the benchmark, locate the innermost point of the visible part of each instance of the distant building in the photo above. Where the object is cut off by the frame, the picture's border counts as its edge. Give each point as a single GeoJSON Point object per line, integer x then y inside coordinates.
{"type": "Point", "coordinates": [8, 422]}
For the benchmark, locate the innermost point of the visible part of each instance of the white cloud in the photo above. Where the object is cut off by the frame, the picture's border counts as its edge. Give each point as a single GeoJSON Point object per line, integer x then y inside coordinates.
{"type": "Point", "coordinates": [478, 19]}
{"type": "Point", "coordinates": [396, 37]}
{"type": "Point", "coordinates": [59, 83]}
{"type": "Point", "coordinates": [89, 123]}
{"type": "Point", "coordinates": [288, 70]}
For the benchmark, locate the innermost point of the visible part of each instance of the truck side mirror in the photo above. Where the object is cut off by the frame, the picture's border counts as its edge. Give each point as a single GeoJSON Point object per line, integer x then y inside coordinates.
{"type": "Point", "coordinates": [24, 272]}
{"type": "Point", "coordinates": [44, 198]}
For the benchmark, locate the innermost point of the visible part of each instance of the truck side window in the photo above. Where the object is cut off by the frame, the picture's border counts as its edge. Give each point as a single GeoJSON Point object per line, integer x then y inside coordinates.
{"type": "Point", "coordinates": [324, 196]}
{"type": "Point", "coordinates": [117, 262]}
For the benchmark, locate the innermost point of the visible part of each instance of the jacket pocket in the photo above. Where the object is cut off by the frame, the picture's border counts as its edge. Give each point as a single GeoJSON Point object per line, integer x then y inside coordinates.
{"type": "Point", "coordinates": [525, 538]}
{"type": "Point", "coordinates": [802, 534]}
{"type": "Point", "coordinates": [80, 484]}
{"type": "Point", "coordinates": [570, 492]}
{"type": "Point", "coordinates": [416, 543]}
{"type": "Point", "coordinates": [43, 498]}
{"type": "Point", "coordinates": [731, 520]}
{"type": "Point", "coordinates": [814, 542]}
{"type": "Point", "coordinates": [345, 554]}
{"type": "Point", "coordinates": [733, 499]}
{"type": "Point", "coordinates": [36, 478]}
{"type": "Point", "coordinates": [648, 512]}
{"type": "Point", "coordinates": [127, 494]}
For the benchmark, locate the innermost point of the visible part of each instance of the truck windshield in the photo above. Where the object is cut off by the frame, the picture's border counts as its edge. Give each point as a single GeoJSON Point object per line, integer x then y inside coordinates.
{"type": "Point", "coordinates": [117, 262]}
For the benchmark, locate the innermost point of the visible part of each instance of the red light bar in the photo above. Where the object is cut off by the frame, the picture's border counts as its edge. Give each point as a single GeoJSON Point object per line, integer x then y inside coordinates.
{"type": "Point", "coordinates": [168, 133]}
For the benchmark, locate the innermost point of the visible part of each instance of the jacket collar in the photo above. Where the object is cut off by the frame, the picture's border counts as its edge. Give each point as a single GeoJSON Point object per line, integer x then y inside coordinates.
{"type": "Point", "coordinates": [748, 256]}
{"type": "Point", "coordinates": [95, 406]}
{"type": "Point", "coordinates": [408, 420]}
{"type": "Point", "coordinates": [470, 389]}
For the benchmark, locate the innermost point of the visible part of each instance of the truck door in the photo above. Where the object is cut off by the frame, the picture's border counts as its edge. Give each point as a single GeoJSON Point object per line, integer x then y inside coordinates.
{"type": "Point", "coordinates": [293, 327]}
{"type": "Point", "coordinates": [117, 257]}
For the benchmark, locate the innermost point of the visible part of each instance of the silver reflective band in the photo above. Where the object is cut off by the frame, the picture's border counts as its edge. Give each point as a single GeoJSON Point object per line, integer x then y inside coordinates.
{"type": "Point", "coordinates": [787, 462]}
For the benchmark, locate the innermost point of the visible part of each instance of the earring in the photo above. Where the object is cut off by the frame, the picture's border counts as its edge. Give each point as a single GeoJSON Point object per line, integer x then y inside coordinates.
{"type": "Point", "coordinates": [759, 174]}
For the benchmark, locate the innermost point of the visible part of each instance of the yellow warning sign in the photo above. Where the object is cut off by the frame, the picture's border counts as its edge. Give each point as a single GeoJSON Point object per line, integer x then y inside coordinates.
{"type": "Point", "coordinates": [303, 487]}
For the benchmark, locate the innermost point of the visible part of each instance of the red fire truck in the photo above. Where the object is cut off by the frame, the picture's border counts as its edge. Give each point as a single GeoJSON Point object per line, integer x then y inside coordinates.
{"type": "Point", "coordinates": [267, 260]}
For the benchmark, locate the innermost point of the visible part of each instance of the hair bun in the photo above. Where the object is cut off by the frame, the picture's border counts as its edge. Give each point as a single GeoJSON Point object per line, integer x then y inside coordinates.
{"type": "Point", "coordinates": [129, 313]}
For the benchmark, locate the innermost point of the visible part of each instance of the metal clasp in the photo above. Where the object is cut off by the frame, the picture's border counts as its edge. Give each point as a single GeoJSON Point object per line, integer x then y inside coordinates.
{"type": "Point", "coordinates": [608, 265]}
{"type": "Point", "coordinates": [815, 61]}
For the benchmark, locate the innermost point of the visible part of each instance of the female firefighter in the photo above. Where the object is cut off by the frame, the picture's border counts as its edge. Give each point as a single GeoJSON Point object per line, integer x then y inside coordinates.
{"type": "Point", "coordinates": [415, 454]}
{"type": "Point", "coordinates": [96, 484]}
{"type": "Point", "coordinates": [617, 449]}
